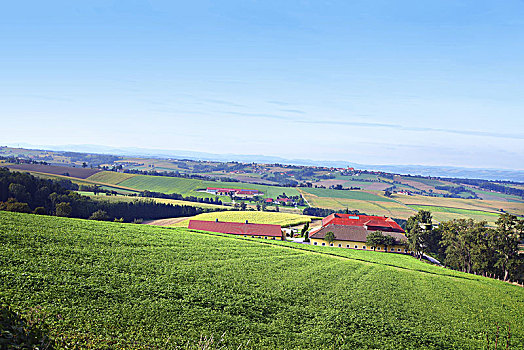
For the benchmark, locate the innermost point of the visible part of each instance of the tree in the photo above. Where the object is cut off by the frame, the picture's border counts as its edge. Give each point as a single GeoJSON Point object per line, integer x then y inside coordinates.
{"type": "Point", "coordinates": [243, 206]}
{"type": "Point", "coordinates": [508, 234]}
{"type": "Point", "coordinates": [375, 239]}
{"type": "Point", "coordinates": [63, 209]}
{"type": "Point", "coordinates": [84, 165]}
{"type": "Point", "coordinates": [329, 237]}
{"type": "Point", "coordinates": [387, 193]}
{"type": "Point", "coordinates": [419, 230]}
{"type": "Point", "coordinates": [304, 229]}
{"type": "Point", "coordinates": [388, 241]}
{"type": "Point", "coordinates": [258, 207]}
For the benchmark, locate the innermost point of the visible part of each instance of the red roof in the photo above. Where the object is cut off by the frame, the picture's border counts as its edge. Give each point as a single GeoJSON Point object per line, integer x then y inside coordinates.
{"type": "Point", "coordinates": [237, 228]}
{"type": "Point", "coordinates": [269, 200]}
{"type": "Point", "coordinates": [236, 190]}
{"type": "Point", "coordinates": [373, 223]}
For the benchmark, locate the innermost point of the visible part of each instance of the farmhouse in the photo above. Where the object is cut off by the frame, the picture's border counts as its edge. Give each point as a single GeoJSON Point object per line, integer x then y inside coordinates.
{"type": "Point", "coordinates": [355, 237]}
{"type": "Point", "coordinates": [370, 223]}
{"type": "Point", "coordinates": [235, 191]}
{"type": "Point", "coordinates": [246, 229]}
{"type": "Point", "coordinates": [351, 231]}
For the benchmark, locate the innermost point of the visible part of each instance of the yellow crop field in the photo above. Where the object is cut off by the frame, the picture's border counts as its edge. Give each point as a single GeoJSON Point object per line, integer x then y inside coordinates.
{"type": "Point", "coordinates": [256, 217]}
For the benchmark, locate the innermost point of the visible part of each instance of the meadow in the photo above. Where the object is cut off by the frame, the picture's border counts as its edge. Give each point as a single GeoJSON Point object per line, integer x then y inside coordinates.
{"type": "Point", "coordinates": [255, 217]}
{"type": "Point", "coordinates": [109, 285]}
{"type": "Point", "coordinates": [189, 187]}
{"type": "Point", "coordinates": [446, 213]}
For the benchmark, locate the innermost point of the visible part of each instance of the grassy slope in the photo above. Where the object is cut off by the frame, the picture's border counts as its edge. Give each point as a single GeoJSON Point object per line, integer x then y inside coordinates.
{"type": "Point", "coordinates": [188, 187]}
{"type": "Point", "coordinates": [256, 217]}
{"type": "Point", "coordinates": [110, 177]}
{"type": "Point", "coordinates": [123, 285]}
{"type": "Point", "coordinates": [445, 213]}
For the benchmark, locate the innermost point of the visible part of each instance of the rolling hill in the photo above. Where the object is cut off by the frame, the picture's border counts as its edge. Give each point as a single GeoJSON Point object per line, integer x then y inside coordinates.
{"type": "Point", "coordinates": [110, 285]}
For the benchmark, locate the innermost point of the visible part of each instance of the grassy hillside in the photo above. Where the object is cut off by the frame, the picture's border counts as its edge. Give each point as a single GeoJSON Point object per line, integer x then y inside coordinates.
{"type": "Point", "coordinates": [107, 285]}
{"type": "Point", "coordinates": [256, 217]}
{"type": "Point", "coordinates": [110, 177]}
{"type": "Point", "coordinates": [189, 187]}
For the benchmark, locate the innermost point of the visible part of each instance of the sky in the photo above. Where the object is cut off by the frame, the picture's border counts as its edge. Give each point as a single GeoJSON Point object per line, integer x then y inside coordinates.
{"type": "Point", "coordinates": [371, 82]}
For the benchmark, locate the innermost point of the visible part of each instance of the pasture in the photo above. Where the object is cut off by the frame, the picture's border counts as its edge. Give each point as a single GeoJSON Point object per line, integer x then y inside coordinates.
{"type": "Point", "coordinates": [108, 285]}
{"type": "Point", "coordinates": [446, 213]}
{"type": "Point", "coordinates": [189, 187]}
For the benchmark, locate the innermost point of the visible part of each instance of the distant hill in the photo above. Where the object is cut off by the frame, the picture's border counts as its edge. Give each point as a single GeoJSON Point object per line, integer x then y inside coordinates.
{"type": "Point", "coordinates": [423, 170]}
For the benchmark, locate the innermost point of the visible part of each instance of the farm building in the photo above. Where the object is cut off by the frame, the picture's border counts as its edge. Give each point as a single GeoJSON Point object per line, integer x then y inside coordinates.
{"type": "Point", "coordinates": [351, 231]}
{"type": "Point", "coordinates": [355, 237]}
{"type": "Point", "coordinates": [269, 200]}
{"type": "Point", "coordinates": [246, 229]}
{"type": "Point", "coordinates": [235, 191]}
{"type": "Point", "coordinates": [370, 223]}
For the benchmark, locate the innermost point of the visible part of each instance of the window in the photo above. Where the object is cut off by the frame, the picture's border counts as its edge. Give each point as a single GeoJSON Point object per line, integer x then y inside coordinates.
{"type": "Point", "coordinates": [273, 238]}
{"type": "Point", "coordinates": [378, 248]}
{"type": "Point", "coordinates": [339, 245]}
{"type": "Point", "coordinates": [331, 244]}
{"type": "Point", "coordinates": [265, 237]}
{"type": "Point", "coordinates": [398, 250]}
{"type": "Point", "coordinates": [392, 249]}
{"type": "Point", "coordinates": [323, 243]}
{"type": "Point", "coordinates": [356, 247]}
{"type": "Point", "coordinates": [315, 243]}
{"type": "Point", "coordinates": [252, 236]}
{"type": "Point", "coordinates": [363, 247]}
{"type": "Point", "coordinates": [405, 250]}
{"type": "Point", "coordinates": [245, 236]}
{"type": "Point", "coordinates": [347, 245]}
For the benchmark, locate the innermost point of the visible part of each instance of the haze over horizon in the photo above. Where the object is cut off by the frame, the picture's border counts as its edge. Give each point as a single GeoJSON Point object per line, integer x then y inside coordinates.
{"type": "Point", "coordinates": [437, 83]}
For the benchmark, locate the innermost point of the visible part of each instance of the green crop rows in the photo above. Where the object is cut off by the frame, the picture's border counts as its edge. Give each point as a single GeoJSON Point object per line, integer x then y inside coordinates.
{"type": "Point", "coordinates": [110, 285]}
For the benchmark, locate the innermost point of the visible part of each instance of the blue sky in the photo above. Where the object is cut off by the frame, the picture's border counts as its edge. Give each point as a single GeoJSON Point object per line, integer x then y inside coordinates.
{"type": "Point", "coordinates": [373, 82]}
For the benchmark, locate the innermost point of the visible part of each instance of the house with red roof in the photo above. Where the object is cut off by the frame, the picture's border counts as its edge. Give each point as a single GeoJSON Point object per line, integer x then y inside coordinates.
{"type": "Point", "coordinates": [246, 229]}
{"type": "Point", "coordinates": [351, 231]}
{"type": "Point", "coordinates": [371, 223]}
{"type": "Point", "coordinates": [235, 191]}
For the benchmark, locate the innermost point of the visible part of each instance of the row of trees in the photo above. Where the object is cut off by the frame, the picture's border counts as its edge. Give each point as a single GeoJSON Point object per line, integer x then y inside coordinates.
{"type": "Point", "coordinates": [470, 246]}
{"type": "Point", "coordinates": [22, 192]}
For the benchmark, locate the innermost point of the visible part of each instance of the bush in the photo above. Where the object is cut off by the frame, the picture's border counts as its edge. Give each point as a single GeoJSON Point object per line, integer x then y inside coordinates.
{"type": "Point", "coordinates": [63, 209]}
{"type": "Point", "coordinates": [99, 215]}
{"type": "Point", "coordinates": [40, 211]}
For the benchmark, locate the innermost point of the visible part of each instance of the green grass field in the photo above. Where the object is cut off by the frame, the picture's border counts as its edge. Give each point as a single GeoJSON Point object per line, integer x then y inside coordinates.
{"type": "Point", "coordinates": [447, 213]}
{"type": "Point", "coordinates": [256, 217]}
{"type": "Point", "coordinates": [108, 285]}
{"type": "Point", "coordinates": [110, 177]}
{"type": "Point", "coordinates": [189, 187]}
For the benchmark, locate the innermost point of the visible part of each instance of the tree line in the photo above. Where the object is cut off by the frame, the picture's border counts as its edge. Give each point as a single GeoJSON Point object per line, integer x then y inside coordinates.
{"type": "Point", "coordinates": [22, 192]}
{"type": "Point", "coordinates": [469, 246]}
